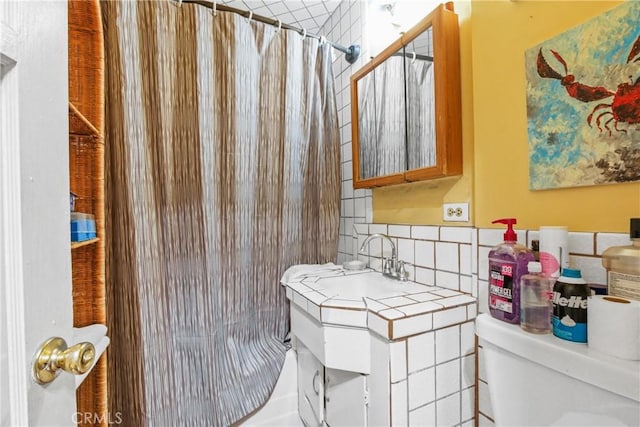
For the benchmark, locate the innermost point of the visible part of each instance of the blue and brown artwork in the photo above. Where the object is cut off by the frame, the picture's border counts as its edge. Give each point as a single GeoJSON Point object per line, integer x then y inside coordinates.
{"type": "Point", "coordinates": [583, 103]}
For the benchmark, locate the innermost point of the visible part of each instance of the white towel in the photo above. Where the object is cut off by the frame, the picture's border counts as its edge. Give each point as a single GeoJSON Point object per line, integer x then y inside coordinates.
{"type": "Point", "coordinates": [300, 271]}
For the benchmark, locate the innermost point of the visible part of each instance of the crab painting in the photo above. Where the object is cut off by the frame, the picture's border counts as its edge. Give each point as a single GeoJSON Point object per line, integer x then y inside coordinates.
{"type": "Point", "coordinates": [583, 102]}
{"type": "Point", "coordinates": [625, 103]}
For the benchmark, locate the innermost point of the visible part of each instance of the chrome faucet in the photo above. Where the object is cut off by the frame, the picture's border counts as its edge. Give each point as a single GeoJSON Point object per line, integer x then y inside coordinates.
{"type": "Point", "coordinates": [391, 267]}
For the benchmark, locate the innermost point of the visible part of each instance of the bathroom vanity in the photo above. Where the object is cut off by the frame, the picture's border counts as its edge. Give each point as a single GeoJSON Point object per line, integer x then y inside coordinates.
{"type": "Point", "coordinates": [364, 342]}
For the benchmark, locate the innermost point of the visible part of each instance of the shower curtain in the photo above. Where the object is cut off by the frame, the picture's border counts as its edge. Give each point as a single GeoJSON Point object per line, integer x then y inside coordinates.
{"type": "Point", "coordinates": [222, 160]}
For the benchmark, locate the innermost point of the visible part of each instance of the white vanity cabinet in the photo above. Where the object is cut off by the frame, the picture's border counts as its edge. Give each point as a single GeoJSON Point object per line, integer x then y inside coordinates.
{"type": "Point", "coordinates": [345, 398]}
{"type": "Point", "coordinates": [326, 396]}
{"type": "Point", "coordinates": [363, 343]}
{"type": "Point", "coordinates": [310, 387]}
{"type": "Point", "coordinates": [329, 396]}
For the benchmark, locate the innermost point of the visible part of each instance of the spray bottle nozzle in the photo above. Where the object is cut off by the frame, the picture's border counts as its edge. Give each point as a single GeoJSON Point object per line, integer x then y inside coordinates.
{"type": "Point", "coordinates": [509, 235]}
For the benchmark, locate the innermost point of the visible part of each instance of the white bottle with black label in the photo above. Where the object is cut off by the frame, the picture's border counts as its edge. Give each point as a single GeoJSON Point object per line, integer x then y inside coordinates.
{"type": "Point", "coordinates": [570, 295]}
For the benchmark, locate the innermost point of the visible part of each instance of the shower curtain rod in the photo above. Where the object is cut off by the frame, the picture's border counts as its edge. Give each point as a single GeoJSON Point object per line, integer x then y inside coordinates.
{"type": "Point", "coordinates": [351, 53]}
{"type": "Point", "coordinates": [414, 55]}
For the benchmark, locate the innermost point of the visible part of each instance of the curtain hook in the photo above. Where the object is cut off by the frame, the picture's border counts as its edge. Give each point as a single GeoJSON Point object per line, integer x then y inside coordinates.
{"type": "Point", "coordinates": [215, 10]}
{"type": "Point", "coordinates": [250, 15]}
{"type": "Point", "coordinates": [279, 25]}
{"type": "Point", "coordinates": [304, 33]}
{"type": "Point", "coordinates": [179, 3]}
{"type": "Point", "coordinates": [413, 57]}
{"type": "Point", "coordinates": [323, 40]}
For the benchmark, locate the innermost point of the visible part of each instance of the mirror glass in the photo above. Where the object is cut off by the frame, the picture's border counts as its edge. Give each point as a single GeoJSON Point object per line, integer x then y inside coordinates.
{"type": "Point", "coordinates": [420, 90]}
{"type": "Point", "coordinates": [382, 119]}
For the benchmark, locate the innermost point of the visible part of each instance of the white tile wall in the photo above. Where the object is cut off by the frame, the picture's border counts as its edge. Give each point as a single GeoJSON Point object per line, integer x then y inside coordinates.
{"type": "Point", "coordinates": [447, 256]}
{"type": "Point", "coordinates": [606, 240]}
{"type": "Point", "coordinates": [398, 361]}
{"type": "Point", "coordinates": [447, 344]}
{"type": "Point", "coordinates": [449, 317]}
{"type": "Point", "coordinates": [347, 26]}
{"type": "Point", "coordinates": [467, 338]}
{"type": "Point", "coordinates": [399, 414]}
{"type": "Point", "coordinates": [447, 378]}
{"type": "Point", "coordinates": [425, 253]}
{"type": "Point", "coordinates": [422, 388]}
{"type": "Point", "coordinates": [421, 348]}
{"type": "Point", "coordinates": [425, 232]}
{"type": "Point", "coordinates": [448, 410]}
{"type": "Point", "coordinates": [423, 416]}
{"type": "Point", "coordinates": [447, 264]}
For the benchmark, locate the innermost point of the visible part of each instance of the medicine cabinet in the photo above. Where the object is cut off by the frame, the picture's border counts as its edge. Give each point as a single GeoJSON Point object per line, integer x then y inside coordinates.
{"type": "Point", "coordinates": [405, 106]}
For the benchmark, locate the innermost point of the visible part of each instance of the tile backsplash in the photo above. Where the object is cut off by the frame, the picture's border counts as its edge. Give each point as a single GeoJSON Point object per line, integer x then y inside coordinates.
{"type": "Point", "coordinates": [456, 258]}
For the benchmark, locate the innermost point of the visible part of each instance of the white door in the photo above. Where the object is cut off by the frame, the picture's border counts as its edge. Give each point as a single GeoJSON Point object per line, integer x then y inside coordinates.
{"type": "Point", "coordinates": [310, 387]}
{"type": "Point", "coordinates": [345, 403]}
{"type": "Point", "coordinates": [35, 261]}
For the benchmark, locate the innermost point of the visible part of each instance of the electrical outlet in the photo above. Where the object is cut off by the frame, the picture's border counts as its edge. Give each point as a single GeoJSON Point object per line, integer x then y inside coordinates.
{"type": "Point", "coordinates": [455, 212]}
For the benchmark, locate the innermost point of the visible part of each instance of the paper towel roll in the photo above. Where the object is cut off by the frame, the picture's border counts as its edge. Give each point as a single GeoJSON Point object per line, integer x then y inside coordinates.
{"type": "Point", "coordinates": [613, 326]}
{"type": "Point", "coordinates": [554, 249]}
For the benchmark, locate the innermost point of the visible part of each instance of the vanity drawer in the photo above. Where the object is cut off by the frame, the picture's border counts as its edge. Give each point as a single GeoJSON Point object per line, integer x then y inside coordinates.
{"type": "Point", "coordinates": [336, 347]}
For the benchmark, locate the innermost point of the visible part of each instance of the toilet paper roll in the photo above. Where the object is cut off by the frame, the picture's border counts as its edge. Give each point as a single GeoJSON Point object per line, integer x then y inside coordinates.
{"type": "Point", "coordinates": [613, 326]}
{"type": "Point", "coordinates": [554, 249]}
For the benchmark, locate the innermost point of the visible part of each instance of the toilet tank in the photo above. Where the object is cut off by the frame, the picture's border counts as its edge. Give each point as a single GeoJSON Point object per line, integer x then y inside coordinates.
{"type": "Point", "coordinates": [543, 380]}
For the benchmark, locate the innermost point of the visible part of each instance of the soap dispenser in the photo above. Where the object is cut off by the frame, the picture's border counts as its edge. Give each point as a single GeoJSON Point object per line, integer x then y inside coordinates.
{"type": "Point", "coordinates": [507, 263]}
{"type": "Point", "coordinates": [623, 265]}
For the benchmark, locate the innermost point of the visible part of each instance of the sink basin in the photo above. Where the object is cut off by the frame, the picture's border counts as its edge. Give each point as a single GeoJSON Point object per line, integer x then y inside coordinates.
{"type": "Point", "coordinates": [372, 285]}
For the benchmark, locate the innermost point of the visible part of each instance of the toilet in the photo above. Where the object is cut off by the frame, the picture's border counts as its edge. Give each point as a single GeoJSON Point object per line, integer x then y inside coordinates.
{"type": "Point", "coordinates": [541, 380]}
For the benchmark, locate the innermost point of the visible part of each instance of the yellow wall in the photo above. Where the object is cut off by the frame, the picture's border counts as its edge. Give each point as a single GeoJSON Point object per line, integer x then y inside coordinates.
{"type": "Point", "coordinates": [494, 37]}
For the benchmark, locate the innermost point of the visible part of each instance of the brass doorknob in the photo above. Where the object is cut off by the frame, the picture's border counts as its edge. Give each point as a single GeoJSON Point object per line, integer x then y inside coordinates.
{"type": "Point", "coordinates": [54, 355]}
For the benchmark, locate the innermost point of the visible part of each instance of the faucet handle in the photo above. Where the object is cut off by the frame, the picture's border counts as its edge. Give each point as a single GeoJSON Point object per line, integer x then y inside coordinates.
{"type": "Point", "coordinates": [386, 269]}
{"type": "Point", "coordinates": [401, 271]}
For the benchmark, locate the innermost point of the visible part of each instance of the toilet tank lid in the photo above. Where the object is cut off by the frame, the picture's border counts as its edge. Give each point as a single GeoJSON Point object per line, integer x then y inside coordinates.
{"type": "Point", "coordinates": [573, 359]}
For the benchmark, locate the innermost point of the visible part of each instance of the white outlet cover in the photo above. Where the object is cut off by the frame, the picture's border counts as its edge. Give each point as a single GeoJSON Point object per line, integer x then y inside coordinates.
{"type": "Point", "coordinates": [459, 212]}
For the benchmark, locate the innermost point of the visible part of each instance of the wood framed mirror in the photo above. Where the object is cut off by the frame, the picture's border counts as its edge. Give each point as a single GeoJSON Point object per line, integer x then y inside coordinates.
{"type": "Point", "coordinates": [406, 109]}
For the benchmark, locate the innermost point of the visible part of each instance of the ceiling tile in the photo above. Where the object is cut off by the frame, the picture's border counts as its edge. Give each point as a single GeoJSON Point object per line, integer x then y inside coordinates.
{"type": "Point", "coordinates": [317, 9]}
{"type": "Point", "coordinates": [320, 20]}
{"type": "Point", "coordinates": [278, 8]}
{"type": "Point", "coordinates": [309, 24]}
{"type": "Point", "coordinates": [301, 14]}
{"type": "Point", "coordinates": [309, 14]}
{"type": "Point", "coordinates": [238, 4]}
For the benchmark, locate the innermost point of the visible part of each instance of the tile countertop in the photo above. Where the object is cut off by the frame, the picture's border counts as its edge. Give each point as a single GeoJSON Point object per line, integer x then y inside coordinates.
{"type": "Point", "coordinates": [421, 309]}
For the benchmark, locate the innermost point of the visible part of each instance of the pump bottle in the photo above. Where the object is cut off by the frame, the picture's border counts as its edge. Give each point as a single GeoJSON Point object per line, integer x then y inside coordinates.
{"type": "Point", "coordinates": [623, 265]}
{"type": "Point", "coordinates": [536, 300]}
{"type": "Point", "coordinates": [507, 263]}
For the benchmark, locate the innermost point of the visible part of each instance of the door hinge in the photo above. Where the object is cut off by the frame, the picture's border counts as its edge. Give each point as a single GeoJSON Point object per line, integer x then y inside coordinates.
{"type": "Point", "coordinates": [366, 397]}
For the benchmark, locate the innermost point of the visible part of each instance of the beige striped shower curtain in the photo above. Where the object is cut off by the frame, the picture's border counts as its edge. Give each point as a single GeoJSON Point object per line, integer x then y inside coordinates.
{"type": "Point", "coordinates": [222, 147]}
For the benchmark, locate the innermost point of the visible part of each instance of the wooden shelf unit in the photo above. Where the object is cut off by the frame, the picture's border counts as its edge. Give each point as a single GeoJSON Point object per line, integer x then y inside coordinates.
{"type": "Point", "coordinates": [75, 245]}
{"type": "Point", "coordinates": [86, 174]}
